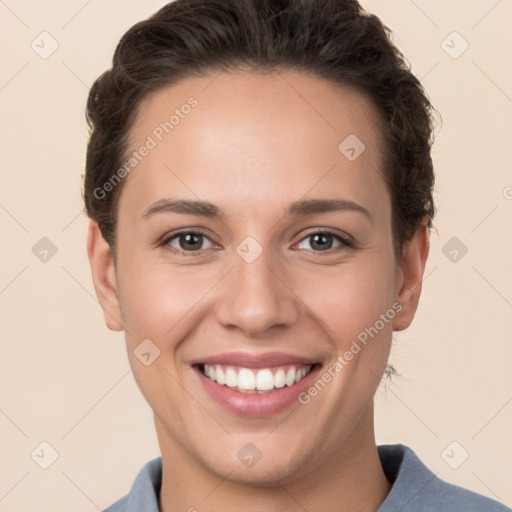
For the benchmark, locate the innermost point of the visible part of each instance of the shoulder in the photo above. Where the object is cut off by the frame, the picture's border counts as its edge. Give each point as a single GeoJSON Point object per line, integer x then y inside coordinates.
{"type": "Point", "coordinates": [143, 495]}
{"type": "Point", "coordinates": [417, 489]}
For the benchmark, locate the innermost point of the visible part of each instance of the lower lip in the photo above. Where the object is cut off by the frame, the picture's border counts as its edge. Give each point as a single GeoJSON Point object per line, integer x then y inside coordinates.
{"type": "Point", "coordinates": [255, 404]}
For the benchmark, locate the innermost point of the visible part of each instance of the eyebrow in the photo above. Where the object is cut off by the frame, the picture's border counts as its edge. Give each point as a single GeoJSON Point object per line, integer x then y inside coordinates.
{"type": "Point", "coordinates": [301, 207]}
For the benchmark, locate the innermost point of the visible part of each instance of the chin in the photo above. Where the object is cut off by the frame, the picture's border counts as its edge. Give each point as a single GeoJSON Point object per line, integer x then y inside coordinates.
{"type": "Point", "coordinates": [263, 474]}
{"type": "Point", "coordinates": [275, 463]}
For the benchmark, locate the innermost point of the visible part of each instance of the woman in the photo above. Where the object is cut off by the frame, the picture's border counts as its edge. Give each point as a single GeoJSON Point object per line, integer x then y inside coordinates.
{"type": "Point", "coordinates": [259, 184]}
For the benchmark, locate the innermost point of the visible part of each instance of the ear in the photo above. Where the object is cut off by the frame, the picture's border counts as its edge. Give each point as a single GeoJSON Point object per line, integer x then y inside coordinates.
{"type": "Point", "coordinates": [104, 276]}
{"type": "Point", "coordinates": [414, 259]}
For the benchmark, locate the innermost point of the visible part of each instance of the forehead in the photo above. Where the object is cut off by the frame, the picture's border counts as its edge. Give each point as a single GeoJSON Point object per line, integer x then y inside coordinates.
{"type": "Point", "coordinates": [251, 137]}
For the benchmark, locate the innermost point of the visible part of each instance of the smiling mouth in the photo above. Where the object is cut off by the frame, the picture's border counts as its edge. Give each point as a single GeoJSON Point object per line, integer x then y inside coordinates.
{"type": "Point", "coordinates": [254, 380]}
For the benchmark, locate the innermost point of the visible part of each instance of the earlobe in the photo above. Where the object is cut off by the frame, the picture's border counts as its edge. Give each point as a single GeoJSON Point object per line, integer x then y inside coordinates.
{"type": "Point", "coordinates": [104, 276]}
{"type": "Point", "coordinates": [414, 258]}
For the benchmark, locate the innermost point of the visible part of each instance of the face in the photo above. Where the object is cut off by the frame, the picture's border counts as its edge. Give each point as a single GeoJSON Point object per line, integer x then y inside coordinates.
{"type": "Point", "coordinates": [254, 256]}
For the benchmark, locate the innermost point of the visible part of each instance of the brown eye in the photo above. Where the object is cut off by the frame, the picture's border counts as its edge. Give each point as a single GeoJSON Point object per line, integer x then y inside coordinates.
{"type": "Point", "coordinates": [186, 241]}
{"type": "Point", "coordinates": [323, 241]}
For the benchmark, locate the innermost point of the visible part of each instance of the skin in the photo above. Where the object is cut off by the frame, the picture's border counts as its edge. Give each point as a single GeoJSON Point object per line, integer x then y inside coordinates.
{"type": "Point", "coordinates": [253, 145]}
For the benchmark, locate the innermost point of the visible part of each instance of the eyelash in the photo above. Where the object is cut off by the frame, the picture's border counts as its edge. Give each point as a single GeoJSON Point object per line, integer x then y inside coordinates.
{"type": "Point", "coordinates": [346, 243]}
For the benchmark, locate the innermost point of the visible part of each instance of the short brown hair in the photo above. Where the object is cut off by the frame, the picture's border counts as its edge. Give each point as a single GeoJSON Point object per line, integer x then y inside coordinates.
{"type": "Point", "coordinates": [333, 39]}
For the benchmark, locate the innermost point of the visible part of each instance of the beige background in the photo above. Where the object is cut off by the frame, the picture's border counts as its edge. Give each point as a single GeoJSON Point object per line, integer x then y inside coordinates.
{"type": "Point", "coordinates": [65, 378]}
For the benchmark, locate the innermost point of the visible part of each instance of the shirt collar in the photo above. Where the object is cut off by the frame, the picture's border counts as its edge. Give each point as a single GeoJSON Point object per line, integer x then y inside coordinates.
{"type": "Point", "coordinates": [407, 474]}
{"type": "Point", "coordinates": [146, 488]}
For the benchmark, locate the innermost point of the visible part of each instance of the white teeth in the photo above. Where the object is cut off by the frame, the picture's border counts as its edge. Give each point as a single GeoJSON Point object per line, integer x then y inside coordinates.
{"type": "Point", "coordinates": [290, 377]}
{"type": "Point", "coordinates": [248, 380]}
{"type": "Point", "coordinates": [264, 380]}
{"type": "Point", "coordinates": [279, 379]}
{"type": "Point", "coordinates": [221, 377]}
{"type": "Point", "coordinates": [231, 377]}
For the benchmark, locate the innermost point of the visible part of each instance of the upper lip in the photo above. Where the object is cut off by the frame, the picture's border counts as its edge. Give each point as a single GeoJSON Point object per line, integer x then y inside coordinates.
{"type": "Point", "coordinates": [246, 360]}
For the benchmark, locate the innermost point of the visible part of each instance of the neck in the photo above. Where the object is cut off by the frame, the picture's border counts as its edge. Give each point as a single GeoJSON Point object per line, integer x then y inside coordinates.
{"type": "Point", "coordinates": [349, 478]}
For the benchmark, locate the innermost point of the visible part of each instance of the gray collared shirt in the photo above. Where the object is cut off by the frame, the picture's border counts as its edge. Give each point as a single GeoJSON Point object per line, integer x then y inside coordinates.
{"type": "Point", "coordinates": [415, 488]}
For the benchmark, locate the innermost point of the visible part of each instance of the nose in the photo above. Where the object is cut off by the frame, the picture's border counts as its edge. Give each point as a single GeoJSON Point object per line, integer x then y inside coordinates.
{"type": "Point", "coordinates": [258, 296]}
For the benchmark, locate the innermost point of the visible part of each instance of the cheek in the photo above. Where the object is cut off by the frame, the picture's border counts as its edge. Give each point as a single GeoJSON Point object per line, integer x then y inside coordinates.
{"type": "Point", "coordinates": [161, 301]}
{"type": "Point", "coordinates": [157, 305]}
{"type": "Point", "coordinates": [351, 297]}
{"type": "Point", "coordinates": [155, 299]}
